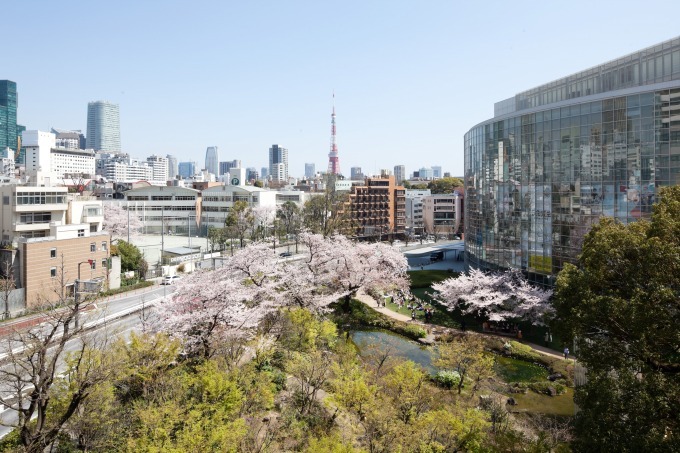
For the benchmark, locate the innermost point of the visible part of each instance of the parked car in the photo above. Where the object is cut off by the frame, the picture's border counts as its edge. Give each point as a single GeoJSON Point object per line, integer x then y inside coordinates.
{"type": "Point", "coordinates": [285, 254]}
{"type": "Point", "coordinates": [169, 279]}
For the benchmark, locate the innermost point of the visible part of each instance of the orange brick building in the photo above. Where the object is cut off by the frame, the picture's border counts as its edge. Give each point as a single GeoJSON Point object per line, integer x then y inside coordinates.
{"type": "Point", "coordinates": [378, 208]}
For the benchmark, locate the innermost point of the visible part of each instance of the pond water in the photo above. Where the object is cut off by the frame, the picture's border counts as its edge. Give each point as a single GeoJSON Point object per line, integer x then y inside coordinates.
{"type": "Point", "coordinates": [395, 344]}
{"type": "Point", "coordinates": [510, 370]}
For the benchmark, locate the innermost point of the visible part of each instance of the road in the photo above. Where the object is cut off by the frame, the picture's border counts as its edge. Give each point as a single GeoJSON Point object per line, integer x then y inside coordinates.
{"type": "Point", "coordinates": [114, 318]}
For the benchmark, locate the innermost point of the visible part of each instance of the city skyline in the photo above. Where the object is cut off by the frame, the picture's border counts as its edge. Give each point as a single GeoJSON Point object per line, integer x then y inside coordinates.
{"type": "Point", "coordinates": [415, 116]}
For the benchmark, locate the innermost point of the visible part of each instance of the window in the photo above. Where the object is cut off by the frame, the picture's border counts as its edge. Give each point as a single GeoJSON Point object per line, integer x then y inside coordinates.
{"type": "Point", "coordinates": [93, 264]}
{"type": "Point", "coordinates": [104, 246]}
{"type": "Point", "coordinates": [81, 233]}
{"type": "Point", "coordinates": [105, 263]}
{"type": "Point", "coordinates": [93, 247]}
{"type": "Point", "coordinates": [5, 199]}
{"type": "Point", "coordinates": [53, 272]}
{"type": "Point", "coordinates": [53, 253]}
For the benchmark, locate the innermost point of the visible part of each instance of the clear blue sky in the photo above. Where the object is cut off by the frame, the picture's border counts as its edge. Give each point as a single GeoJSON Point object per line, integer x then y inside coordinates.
{"type": "Point", "coordinates": [410, 77]}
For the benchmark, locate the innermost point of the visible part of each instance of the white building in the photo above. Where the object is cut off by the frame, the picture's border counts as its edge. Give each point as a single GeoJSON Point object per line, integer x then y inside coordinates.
{"type": "Point", "coordinates": [167, 209]}
{"type": "Point", "coordinates": [159, 166]}
{"type": "Point", "coordinates": [414, 210]}
{"type": "Point", "coordinates": [72, 162]}
{"type": "Point", "coordinates": [442, 214]}
{"type": "Point", "coordinates": [218, 200]}
{"type": "Point", "coordinates": [399, 174]}
{"type": "Point", "coordinates": [124, 172]}
{"type": "Point", "coordinates": [278, 163]}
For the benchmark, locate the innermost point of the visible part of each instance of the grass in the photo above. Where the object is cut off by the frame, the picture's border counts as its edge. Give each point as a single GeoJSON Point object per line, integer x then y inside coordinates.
{"type": "Point", "coordinates": [514, 370]}
{"type": "Point", "coordinates": [424, 279]}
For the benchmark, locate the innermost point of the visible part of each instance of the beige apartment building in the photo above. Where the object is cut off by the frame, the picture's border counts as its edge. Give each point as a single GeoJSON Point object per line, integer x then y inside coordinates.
{"type": "Point", "coordinates": [378, 208]}
{"type": "Point", "coordinates": [49, 266]}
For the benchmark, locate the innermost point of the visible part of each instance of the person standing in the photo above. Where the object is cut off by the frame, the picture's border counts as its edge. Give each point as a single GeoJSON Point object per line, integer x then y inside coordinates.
{"type": "Point", "coordinates": [547, 338]}
{"type": "Point", "coordinates": [566, 353]}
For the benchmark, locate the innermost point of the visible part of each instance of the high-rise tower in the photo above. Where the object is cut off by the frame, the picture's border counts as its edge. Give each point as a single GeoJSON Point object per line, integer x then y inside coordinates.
{"type": "Point", "coordinates": [333, 162]}
{"type": "Point", "coordinates": [103, 126]}
{"type": "Point", "coordinates": [212, 160]}
{"type": "Point", "coordinates": [8, 115]}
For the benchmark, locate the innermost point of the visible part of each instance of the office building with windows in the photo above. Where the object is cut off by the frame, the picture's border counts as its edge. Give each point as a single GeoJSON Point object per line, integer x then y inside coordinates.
{"type": "Point", "coordinates": [103, 126]}
{"type": "Point", "coordinates": [278, 163]}
{"type": "Point", "coordinates": [187, 169]}
{"type": "Point", "coordinates": [556, 158]}
{"type": "Point", "coordinates": [310, 170]}
{"type": "Point", "coordinates": [8, 115]}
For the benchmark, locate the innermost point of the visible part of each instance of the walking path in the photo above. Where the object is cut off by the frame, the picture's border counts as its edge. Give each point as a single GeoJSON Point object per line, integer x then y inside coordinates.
{"type": "Point", "coordinates": [371, 302]}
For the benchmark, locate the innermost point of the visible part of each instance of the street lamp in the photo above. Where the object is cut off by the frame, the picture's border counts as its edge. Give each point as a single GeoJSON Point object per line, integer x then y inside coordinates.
{"type": "Point", "coordinates": [76, 293]}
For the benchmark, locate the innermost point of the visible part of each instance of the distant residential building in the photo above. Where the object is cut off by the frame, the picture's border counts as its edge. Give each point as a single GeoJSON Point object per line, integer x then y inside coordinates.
{"type": "Point", "coordinates": [426, 173]}
{"type": "Point", "coordinates": [436, 172]}
{"type": "Point", "coordinates": [121, 168]}
{"type": "Point", "coordinates": [226, 166]}
{"type": "Point", "coordinates": [310, 170]}
{"type": "Point", "coordinates": [377, 208]}
{"type": "Point", "coordinates": [8, 115]}
{"type": "Point", "coordinates": [278, 163]}
{"type": "Point", "coordinates": [443, 214]}
{"type": "Point", "coordinates": [447, 174]}
{"type": "Point", "coordinates": [187, 169]}
{"type": "Point", "coordinates": [356, 174]}
{"type": "Point", "coordinates": [399, 174]}
{"type": "Point", "coordinates": [173, 168]}
{"type": "Point", "coordinates": [414, 210]}
{"type": "Point", "coordinates": [103, 126]}
{"type": "Point", "coordinates": [66, 139]}
{"type": "Point", "coordinates": [159, 165]}
{"type": "Point", "coordinates": [252, 174]}
{"type": "Point", "coordinates": [212, 159]}
{"type": "Point", "coordinates": [38, 146]}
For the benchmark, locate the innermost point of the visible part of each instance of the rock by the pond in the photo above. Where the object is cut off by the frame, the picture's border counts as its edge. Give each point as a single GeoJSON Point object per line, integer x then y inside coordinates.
{"type": "Point", "coordinates": [511, 401]}
{"type": "Point", "coordinates": [555, 376]}
{"type": "Point", "coordinates": [552, 391]}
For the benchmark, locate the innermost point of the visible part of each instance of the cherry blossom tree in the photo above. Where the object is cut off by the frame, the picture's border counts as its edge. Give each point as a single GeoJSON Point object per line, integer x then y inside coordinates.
{"type": "Point", "coordinates": [346, 266]}
{"type": "Point", "coordinates": [230, 301]}
{"type": "Point", "coordinates": [119, 223]}
{"type": "Point", "coordinates": [497, 296]}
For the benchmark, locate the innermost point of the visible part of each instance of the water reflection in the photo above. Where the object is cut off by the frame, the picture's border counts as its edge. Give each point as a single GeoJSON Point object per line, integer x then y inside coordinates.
{"type": "Point", "coordinates": [372, 341]}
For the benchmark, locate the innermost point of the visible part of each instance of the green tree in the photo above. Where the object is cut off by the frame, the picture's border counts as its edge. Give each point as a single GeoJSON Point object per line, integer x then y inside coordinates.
{"type": "Point", "coordinates": [327, 214]}
{"type": "Point", "coordinates": [290, 220]}
{"type": "Point", "coordinates": [445, 185]}
{"type": "Point", "coordinates": [131, 258]}
{"type": "Point", "coordinates": [467, 356]}
{"type": "Point", "coordinates": [621, 306]}
{"type": "Point", "coordinates": [239, 221]}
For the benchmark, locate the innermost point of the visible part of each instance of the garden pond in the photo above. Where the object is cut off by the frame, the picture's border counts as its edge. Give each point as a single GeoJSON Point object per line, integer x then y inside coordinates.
{"type": "Point", "coordinates": [508, 369]}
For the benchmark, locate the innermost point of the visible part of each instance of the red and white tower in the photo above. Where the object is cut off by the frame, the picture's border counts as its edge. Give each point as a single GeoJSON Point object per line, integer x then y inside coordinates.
{"type": "Point", "coordinates": [333, 161]}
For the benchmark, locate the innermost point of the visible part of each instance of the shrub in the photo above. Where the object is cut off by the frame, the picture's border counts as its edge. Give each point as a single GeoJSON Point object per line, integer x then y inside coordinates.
{"type": "Point", "coordinates": [447, 378]}
{"type": "Point", "coordinates": [544, 387]}
{"type": "Point", "coordinates": [180, 268]}
{"type": "Point", "coordinates": [413, 331]}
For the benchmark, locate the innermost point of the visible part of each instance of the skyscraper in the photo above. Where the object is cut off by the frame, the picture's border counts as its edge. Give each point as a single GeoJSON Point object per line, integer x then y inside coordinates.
{"type": "Point", "coordinates": [187, 169]}
{"type": "Point", "coordinates": [212, 160]}
{"type": "Point", "coordinates": [103, 126]}
{"type": "Point", "coordinates": [278, 155]}
{"type": "Point", "coordinates": [436, 171]}
{"type": "Point", "coordinates": [173, 169]}
{"type": "Point", "coordinates": [399, 174]}
{"type": "Point", "coordinates": [264, 173]}
{"type": "Point", "coordinates": [310, 170]}
{"type": "Point", "coordinates": [225, 166]}
{"type": "Point", "coordinates": [356, 174]}
{"type": "Point", "coordinates": [8, 115]}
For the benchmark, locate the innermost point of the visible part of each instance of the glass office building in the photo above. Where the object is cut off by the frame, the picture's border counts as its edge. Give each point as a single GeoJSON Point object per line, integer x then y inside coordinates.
{"type": "Point", "coordinates": [8, 115]}
{"type": "Point", "coordinates": [103, 126]}
{"type": "Point", "coordinates": [556, 158]}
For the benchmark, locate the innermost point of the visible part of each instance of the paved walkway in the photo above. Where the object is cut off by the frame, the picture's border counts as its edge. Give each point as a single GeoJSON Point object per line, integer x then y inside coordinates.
{"type": "Point", "coordinates": [368, 300]}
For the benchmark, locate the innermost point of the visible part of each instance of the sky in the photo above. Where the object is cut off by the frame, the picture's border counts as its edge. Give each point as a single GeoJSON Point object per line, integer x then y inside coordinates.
{"type": "Point", "coordinates": [410, 77]}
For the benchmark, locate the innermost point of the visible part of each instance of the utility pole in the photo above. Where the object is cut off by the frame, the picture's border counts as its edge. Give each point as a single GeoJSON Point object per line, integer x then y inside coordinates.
{"type": "Point", "coordinates": [76, 293]}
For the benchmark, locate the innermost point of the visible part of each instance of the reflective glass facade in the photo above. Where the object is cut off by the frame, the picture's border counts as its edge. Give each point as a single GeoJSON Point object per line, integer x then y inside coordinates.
{"type": "Point", "coordinates": [538, 177]}
{"type": "Point", "coordinates": [8, 115]}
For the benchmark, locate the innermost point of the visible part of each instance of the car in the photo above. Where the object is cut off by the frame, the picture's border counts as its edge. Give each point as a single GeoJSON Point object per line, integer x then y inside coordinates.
{"type": "Point", "coordinates": [169, 279]}
{"type": "Point", "coordinates": [285, 254]}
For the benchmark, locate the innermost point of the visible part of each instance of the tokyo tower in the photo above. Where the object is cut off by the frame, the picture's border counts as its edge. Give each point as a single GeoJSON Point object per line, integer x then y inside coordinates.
{"type": "Point", "coordinates": [333, 161]}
